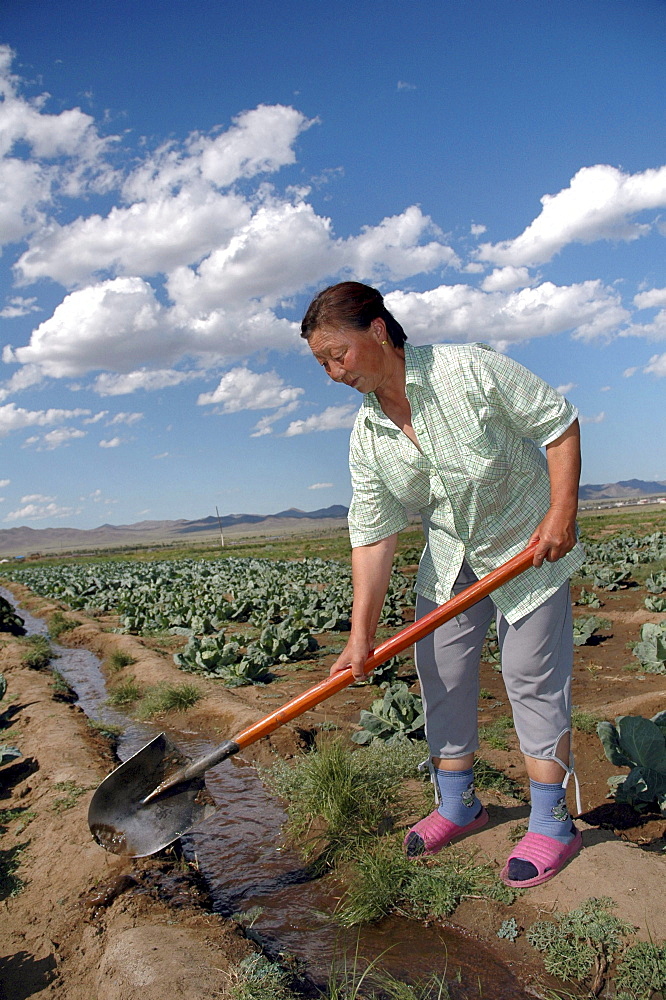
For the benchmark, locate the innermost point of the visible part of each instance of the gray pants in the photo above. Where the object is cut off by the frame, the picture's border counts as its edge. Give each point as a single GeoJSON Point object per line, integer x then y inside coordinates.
{"type": "Point", "coordinates": [537, 663]}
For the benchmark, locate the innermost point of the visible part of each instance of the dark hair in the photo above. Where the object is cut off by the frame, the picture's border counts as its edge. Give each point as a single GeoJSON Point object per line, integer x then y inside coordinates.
{"type": "Point", "coordinates": [350, 304]}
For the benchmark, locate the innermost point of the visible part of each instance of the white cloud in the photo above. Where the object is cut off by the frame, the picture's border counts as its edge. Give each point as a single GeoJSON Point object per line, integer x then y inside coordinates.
{"type": "Point", "coordinates": [265, 424]}
{"type": "Point", "coordinates": [114, 442]}
{"type": "Point", "coordinates": [13, 418]}
{"type": "Point", "coordinates": [320, 486]}
{"type": "Point", "coordinates": [242, 389]}
{"type": "Point", "coordinates": [331, 419]}
{"type": "Point", "coordinates": [4, 482]}
{"type": "Point", "coordinates": [403, 85]}
{"type": "Point", "coordinates": [125, 418]}
{"type": "Point", "coordinates": [653, 297]}
{"type": "Point", "coordinates": [656, 366]}
{"type": "Point", "coordinates": [36, 498]}
{"type": "Point", "coordinates": [143, 378]}
{"type": "Point", "coordinates": [656, 330]}
{"type": "Point", "coordinates": [38, 512]}
{"type": "Point", "coordinates": [599, 204]}
{"type": "Point", "coordinates": [597, 419]}
{"type": "Point", "coordinates": [506, 279]}
{"type": "Point", "coordinates": [18, 306]}
{"type": "Point", "coordinates": [464, 314]}
{"type": "Point", "coordinates": [564, 389]}
{"type": "Point", "coordinates": [477, 229]}
{"type": "Point", "coordinates": [56, 438]}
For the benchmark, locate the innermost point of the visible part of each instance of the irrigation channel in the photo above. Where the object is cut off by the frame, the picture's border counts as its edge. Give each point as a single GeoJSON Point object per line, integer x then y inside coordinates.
{"type": "Point", "coordinates": [247, 871]}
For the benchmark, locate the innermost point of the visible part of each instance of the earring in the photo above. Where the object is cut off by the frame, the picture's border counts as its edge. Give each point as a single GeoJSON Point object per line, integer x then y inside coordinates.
{"type": "Point", "coordinates": [384, 343]}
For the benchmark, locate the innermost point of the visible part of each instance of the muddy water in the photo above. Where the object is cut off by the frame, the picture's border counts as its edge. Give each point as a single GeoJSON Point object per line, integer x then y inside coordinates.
{"type": "Point", "coordinates": [248, 871]}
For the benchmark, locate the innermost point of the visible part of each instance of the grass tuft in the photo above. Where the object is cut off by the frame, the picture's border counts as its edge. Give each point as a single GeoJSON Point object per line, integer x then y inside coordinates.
{"type": "Point", "coordinates": [125, 694]}
{"type": "Point", "coordinates": [168, 698]}
{"type": "Point", "coordinates": [117, 660]}
{"type": "Point", "coordinates": [58, 624]}
{"type": "Point", "coordinates": [38, 653]}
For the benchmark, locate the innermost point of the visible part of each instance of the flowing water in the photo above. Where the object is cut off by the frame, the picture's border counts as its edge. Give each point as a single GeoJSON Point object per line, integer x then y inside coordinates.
{"type": "Point", "coordinates": [248, 871]}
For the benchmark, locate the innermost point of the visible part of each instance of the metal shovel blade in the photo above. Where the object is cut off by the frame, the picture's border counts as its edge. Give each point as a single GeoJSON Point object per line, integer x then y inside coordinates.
{"type": "Point", "coordinates": [120, 820]}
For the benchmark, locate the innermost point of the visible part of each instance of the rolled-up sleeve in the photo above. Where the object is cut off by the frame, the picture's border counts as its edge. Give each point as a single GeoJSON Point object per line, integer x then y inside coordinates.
{"type": "Point", "coordinates": [528, 404]}
{"type": "Point", "coordinates": [374, 513]}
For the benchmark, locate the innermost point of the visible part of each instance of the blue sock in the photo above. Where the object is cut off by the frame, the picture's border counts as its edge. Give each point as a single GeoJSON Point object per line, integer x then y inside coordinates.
{"type": "Point", "coordinates": [549, 814]}
{"type": "Point", "coordinates": [458, 802]}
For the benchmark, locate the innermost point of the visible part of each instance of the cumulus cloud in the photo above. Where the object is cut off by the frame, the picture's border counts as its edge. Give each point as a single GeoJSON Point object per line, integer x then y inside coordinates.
{"type": "Point", "coordinates": [14, 418]}
{"type": "Point", "coordinates": [656, 366]}
{"type": "Point", "coordinates": [333, 418]}
{"type": "Point", "coordinates": [55, 439]}
{"type": "Point", "coordinates": [242, 389]}
{"type": "Point", "coordinates": [564, 389]}
{"type": "Point", "coordinates": [18, 306]}
{"type": "Point", "coordinates": [125, 418]}
{"type": "Point", "coordinates": [320, 486]}
{"type": "Point", "coordinates": [148, 380]}
{"type": "Point", "coordinates": [463, 313]}
{"type": "Point", "coordinates": [39, 512]}
{"type": "Point", "coordinates": [651, 298]}
{"type": "Point", "coordinates": [597, 419]}
{"type": "Point", "coordinates": [4, 482]}
{"type": "Point", "coordinates": [656, 330]}
{"type": "Point", "coordinates": [114, 442]}
{"type": "Point", "coordinates": [506, 279]}
{"type": "Point", "coordinates": [601, 203]}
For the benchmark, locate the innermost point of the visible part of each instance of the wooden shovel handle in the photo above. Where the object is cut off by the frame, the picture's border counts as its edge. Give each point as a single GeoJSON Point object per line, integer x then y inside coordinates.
{"type": "Point", "coordinates": [406, 637]}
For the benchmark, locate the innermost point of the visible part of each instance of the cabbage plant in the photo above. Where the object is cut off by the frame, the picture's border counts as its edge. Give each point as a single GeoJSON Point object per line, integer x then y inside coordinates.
{"type": "Point", "coordinates": [639, 744]}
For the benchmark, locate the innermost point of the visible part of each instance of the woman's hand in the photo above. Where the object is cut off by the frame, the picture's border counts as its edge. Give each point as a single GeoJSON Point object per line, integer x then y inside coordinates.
{"type": "Point", "coordinates": [355, 653]}
{"type": "Point", "coordinates": [556, 535]}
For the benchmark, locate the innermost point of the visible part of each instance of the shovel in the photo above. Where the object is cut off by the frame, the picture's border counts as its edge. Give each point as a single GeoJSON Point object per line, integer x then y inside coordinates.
{"type": "Point", "coordinates": [158, 794]}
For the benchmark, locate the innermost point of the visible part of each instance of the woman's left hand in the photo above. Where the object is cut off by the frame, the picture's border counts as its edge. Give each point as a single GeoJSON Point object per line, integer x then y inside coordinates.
{"type": "Point", "coordinates": [556, 535]}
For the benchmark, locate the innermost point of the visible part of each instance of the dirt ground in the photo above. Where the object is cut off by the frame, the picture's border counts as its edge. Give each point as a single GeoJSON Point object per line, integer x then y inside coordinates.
{"type": "Point", "coordinates": [83, 924]}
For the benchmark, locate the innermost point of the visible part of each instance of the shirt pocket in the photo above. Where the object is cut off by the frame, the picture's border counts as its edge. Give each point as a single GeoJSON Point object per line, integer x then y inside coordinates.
{"type": "Point", "coordinates": [489, 456]}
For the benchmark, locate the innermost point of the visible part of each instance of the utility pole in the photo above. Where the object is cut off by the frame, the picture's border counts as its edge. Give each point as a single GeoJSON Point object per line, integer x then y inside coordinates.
{"type": "Point", "coordinates": [220, 524]}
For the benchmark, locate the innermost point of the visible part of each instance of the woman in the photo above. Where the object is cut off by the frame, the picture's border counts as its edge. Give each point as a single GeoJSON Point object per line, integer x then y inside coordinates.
{"type": "Point", "coordinates": [453, 431]}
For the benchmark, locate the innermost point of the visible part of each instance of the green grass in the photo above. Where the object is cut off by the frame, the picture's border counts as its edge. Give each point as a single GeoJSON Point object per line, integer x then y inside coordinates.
{"type": "Point", "coordinates": [167, 698]}
{"type": "Point", "coordinates": [383, 881]}
{"type": "Point", "coordinates": [107, 729]}
{"type": "Point", "coordinates": [117, 660]}
{"type": "Point", "coordinates": [125, 694]}
{"type": "Point", "coordinates": [584, 722]}
{"type": "Point", "coordinates": [9, 815]}
{"type": "Point", "coordinates": [336, 796]}
{"type": "Point", "coordinates": [38, 653]}
{"type": "Point", "coordinates": [488, 777]}
{"type": "Point", "coordinates": [61, 689]}
{"type": "Point", "coordinates": [10, 883]}
{"type": "Point", "coordinates": [71, 795]}
{"type": "Point", "coordinates": [58, 624]}
{"type": "Point", "coordinates": [494, 734]}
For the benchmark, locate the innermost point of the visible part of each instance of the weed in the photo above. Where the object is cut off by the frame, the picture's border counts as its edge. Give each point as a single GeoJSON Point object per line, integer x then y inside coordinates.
{"type": "Point", "coordinates": [642, 971]}
{"type": "Point", "coordinates": [257, 978]}
{"type": "Point", "coordinates": [167, 698]}
{"type": "Point", "coordinates": [61, 689]}
{"type": "Point", "coordinates": [384, 881]}
{"type": "Point", "coordinates": [582, 943]}
{"type": "Point", "coordinates": [494, 734]}
{"type": "Point", "coordinates": [10, 883]}
{"type": "Point", "coordinates": [485, 694]}
{"type": "Point", "coordinates": [338, 796]}
{"type": "Point", "coordinates": [72, 794]}
{"type": "Point", "coordinates": [9, 815]}
{"type": "Point", "coordinates": [486, 776]}
{"type": "Point", "coordinates": [38, 654]}
{"type": "Point", "coordinates": [117, 660]}
{"type": "Point", "coordinates": [125, 693]}
{"type": "Point", "coordinates": [518, 831]}
{"type": "Point", "coordinates": [107, 729]}
{"type": "Point", "coordinates": [58, 624]}
{"type": "Point", "coordinates": [509, 929]}
{"type": "Point", "coordinates": [584, 722]}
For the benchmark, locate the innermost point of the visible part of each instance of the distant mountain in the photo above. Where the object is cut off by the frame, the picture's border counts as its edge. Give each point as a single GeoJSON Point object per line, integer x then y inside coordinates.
{"type": "Point", "coordinates": [24, 540]}
{"type": "Point", "coordinates": [618, 491]}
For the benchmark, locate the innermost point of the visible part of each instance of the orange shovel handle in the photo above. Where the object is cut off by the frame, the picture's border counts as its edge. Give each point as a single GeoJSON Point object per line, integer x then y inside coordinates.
{"type": "Point", "coordinates": [391, 647]}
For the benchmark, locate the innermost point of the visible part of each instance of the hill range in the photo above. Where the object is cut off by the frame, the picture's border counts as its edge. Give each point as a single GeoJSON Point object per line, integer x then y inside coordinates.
{"type": "Point", "coordinates": [23, 540]}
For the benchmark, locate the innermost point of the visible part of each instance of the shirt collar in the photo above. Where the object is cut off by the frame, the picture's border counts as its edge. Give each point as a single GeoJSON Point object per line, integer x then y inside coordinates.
{"type": "Point", "coordinates": [414, 375]}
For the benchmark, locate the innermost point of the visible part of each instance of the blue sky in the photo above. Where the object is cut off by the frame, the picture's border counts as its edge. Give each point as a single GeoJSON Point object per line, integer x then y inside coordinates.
{"type": "Point", "coordinates": [178, 179]}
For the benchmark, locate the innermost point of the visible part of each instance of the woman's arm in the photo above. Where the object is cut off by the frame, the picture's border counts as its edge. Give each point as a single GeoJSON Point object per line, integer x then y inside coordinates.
{"type": "Point", "coordinates": [557, 532]}
{"type": "Point", "coordinates": [371, 571]}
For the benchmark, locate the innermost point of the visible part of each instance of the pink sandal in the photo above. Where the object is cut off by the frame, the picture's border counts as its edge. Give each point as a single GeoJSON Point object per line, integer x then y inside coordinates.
{"type": "Point", "coordinates": [434, 832]}
{"type": "Point", "coordinates": [546, 854]}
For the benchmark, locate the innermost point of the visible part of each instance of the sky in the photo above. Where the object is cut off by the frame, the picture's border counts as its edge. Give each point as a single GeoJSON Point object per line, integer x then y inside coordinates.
{"type": "Point", "coordinates": [179, 179]}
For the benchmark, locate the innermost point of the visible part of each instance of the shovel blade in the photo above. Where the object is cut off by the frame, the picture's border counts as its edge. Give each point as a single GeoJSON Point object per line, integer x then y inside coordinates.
{"type": "Point", "coordinates": [122, 823]}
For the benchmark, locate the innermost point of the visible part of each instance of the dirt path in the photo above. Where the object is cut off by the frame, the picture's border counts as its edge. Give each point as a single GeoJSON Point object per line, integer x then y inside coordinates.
{"type": "Point", "coordinates": [83, 923]}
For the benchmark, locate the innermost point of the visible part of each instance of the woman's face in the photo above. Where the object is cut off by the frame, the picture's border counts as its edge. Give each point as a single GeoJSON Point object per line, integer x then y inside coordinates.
{"type": "Point", "coordinates": [359, 358]}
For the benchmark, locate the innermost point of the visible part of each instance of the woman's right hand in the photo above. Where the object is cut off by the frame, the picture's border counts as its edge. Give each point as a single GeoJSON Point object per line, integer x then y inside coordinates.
{"type": "Point", "coordinates": [355, 653]}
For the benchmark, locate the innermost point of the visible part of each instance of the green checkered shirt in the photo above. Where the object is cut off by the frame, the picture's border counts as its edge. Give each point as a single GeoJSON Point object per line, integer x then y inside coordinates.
{"type": "Point", "coordinates": [480, 482]}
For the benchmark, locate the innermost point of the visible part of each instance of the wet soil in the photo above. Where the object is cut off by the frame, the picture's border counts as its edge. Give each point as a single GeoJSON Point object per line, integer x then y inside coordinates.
{"type": "Point", "coordinates": [86, 923]}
